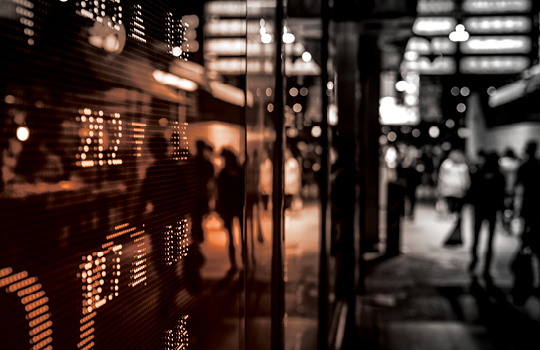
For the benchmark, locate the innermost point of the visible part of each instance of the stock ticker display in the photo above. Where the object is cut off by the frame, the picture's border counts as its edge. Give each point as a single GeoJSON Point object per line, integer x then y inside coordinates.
{"type": "Point", "coordinates": [97, 184]}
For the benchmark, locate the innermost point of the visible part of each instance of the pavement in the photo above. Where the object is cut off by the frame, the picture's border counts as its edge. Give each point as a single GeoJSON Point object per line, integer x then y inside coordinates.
{"type": "Point", "coordinates": [424, 298]}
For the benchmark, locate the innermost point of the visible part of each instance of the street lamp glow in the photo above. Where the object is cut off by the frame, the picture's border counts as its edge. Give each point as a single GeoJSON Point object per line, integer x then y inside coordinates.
{"type": "Point", "coordinates": [460, 34]}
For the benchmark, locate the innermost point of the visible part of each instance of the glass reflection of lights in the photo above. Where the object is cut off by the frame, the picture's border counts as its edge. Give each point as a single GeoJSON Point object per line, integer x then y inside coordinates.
{"type": "Point", "coordinates": [23, 133]}
{"type": "Point", "coordinates": [460, 34]}
{"type": "Point", "coordinates": [173, 80]}
{"type": "Point", "coordinates": [316, 131]}
{"type": "Point", "coordinates": [293, 92]}
{"type": "Point", "coordinates": [434, 131]}
{"type": "Point", "coordinates": [401, 85]}
{"type": "Point", "coordinates": [306, 56]}
{"type": "Point", "coordinates": [464, 132]}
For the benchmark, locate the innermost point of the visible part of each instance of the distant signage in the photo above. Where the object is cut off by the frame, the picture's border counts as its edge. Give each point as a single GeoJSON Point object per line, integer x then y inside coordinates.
{"type": "Point", "coordinates": [493, 64]}
{"type": "Point", "coordinates": [437, 45]}
{"type": "Point", "coordinates": [440, 66]}
{"type": "Point", "coordinates": [497, 45]}
{"type": "Point", "coordinates": [434, 25]}
{"type": "Point", "coordinates": [496, 6]}
{"type": "Point", "coordinates": [428, 7]}
{"type": "Point", "coordinates": [498, 24]}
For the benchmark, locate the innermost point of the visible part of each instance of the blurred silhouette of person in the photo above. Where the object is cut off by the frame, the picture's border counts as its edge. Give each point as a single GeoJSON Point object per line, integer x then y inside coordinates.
{"type": "Point", "coordinates": [528, 186]}
{"type": "Point", "coordinates": [253, 196]}
{"type": "Point", "coordinates": [454, 181]}
{"type": "Point", "coordinates": [411, 176]}
{"type": "Point", "coordinates": [265, 179]}
{"type": "Point", "coordinates": [487, 196]}
{"type": "Point", "coordinates": [204, 187]}
{"type": "Point", "coordinates": [292, 178]}
{"type": "Point", "coordinates": [230, 189]}
{"type": "Point", "coordinates": [509, 165]}
{"type": "Point", "coordinates": [162, 194]}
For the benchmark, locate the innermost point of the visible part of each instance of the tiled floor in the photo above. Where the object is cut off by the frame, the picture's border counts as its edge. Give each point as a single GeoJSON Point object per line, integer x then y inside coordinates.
{"type": "Point", "coordinates": [424, 299]}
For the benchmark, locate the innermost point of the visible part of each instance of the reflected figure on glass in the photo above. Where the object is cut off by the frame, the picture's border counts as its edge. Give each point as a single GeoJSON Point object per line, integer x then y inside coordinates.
{"type": "Point", "coordinates": [204, 187]}
{"type": "Point", "coordinates": [265, 179]}
{"type": "Point", "coordinates": [162, 196]}
{"type": "Point", "coordinates": [292, 179]}
{"type": "Point", "coordinates": [486, 194]}
{"type": "Point", "coordinates": [253, 197]}
{"type": "Point", "coordinates": [229, 205]}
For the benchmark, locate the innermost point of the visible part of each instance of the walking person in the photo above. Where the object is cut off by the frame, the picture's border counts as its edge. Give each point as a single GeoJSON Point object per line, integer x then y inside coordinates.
{"type": "Point", "coordinates": [454, 181]}
{"type": "Point", "coordinates": [486, 195]}
{"type": "Point", "coordinates": [230, 201]}
{"type": "Point", "coordinates": [528, 187]}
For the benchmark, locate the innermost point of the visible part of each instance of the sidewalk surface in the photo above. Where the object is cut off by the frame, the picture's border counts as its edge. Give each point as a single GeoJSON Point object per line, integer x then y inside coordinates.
{"type": "Point", "coordinates": [425, 298]}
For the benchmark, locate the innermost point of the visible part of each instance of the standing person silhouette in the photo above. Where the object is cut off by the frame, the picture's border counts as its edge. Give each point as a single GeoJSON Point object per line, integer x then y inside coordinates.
{"type": "Point", "coordinates": [230, 183]}
{"type": "Point", "coordinates": [487, 196]}
{"type": "Point", "coordinates": [204, 187]}
{"type": "Point", "coordinates": [164, 204]}
{"type": "Point", "coordinates": [528, 184]}
{"type": "Point", "coordinates": [454, 181]}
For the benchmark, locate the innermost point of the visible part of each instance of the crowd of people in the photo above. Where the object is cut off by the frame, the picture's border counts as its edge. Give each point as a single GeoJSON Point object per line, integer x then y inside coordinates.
{"type": "Point", "coordinates": [502, 189]}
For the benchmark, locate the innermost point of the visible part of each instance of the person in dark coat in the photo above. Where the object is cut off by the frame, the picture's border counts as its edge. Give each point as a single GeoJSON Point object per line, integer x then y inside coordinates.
{"type": "Point", "coordinates": [528, 183]}
{"type": "Point", "coordinates": [230, 183]}
{"type": "Point", "coordinates": [486, 194]}
{"type": "Point", "coordinates": [204, 187]}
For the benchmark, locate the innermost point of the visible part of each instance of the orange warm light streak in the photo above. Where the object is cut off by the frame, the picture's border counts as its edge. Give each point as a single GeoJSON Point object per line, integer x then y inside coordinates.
{"type": "Point", "coordinates": [231, 94]}
{"type": "Point", "coordinates": [173, 80]}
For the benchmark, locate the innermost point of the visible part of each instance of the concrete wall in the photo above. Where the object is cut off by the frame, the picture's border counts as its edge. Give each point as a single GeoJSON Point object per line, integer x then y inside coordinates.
{"type": "Point", "coordinates": [514, 136]}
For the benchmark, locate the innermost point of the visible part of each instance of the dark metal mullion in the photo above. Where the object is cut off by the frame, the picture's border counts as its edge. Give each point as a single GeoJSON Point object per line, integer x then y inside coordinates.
{"type": "Point", "coordinates": [324, 185]}
{"type": "Point", "coordinates": [278, 284]}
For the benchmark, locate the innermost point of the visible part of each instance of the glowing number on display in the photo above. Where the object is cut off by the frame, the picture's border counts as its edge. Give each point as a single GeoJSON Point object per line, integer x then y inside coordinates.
{"type": "Point", "coordinates": [35, 301]}
{"type": "Point", "coordinates": [98, 288]}
{"type": "Point", "coordinates": [108, 31]}
{"type": "Point", "coordinates": [138, 28]}
{"type": "Point", "coordinates": [175, 245]}
{"type": "Point", "coordinates": [100, 138]}
{"type": "Point", "coordinates": [175, 37]}
{"type": "Point", "coordinates": [138, 134]}
{"type": "Point", "coordinates": [177, 338]}
{"type": "Point", "coordinates": [179, 141]}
